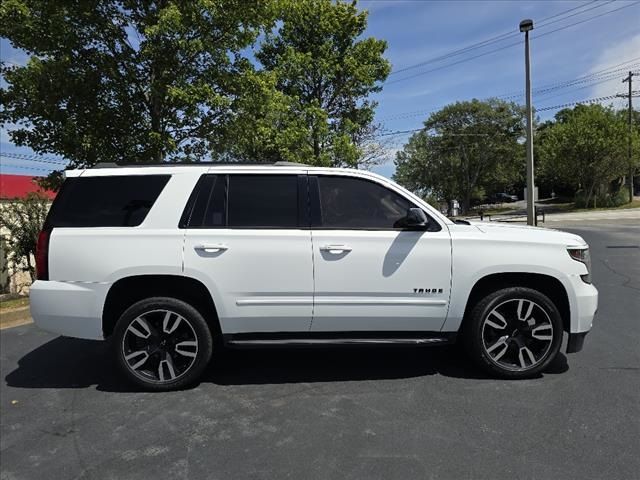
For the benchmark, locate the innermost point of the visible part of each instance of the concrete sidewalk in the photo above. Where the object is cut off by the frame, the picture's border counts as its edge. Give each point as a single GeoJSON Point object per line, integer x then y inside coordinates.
{"type": "Point", "coordinates": [629, 216]}
{"type": "Point", "coordinates": [596, 215]}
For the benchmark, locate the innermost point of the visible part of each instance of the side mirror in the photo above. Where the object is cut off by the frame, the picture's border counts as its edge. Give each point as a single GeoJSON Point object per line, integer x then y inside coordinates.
{"type": "Point", "coordinates": [416, 218]}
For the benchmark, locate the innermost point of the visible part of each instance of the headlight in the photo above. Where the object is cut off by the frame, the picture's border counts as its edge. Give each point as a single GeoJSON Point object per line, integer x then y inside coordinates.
{"type": "Point", "coordinates": [582, 255]}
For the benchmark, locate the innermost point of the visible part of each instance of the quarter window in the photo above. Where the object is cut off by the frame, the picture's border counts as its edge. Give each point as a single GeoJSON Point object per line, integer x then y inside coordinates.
{"type": "Point", "coordinates": [351, 203]}
{"type": "Point", "coordinates": [115, 201]}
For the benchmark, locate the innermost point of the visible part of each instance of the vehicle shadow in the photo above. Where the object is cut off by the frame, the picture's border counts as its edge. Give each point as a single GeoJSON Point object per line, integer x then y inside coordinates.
{"type": "Point", "coordinates": [72, 363]}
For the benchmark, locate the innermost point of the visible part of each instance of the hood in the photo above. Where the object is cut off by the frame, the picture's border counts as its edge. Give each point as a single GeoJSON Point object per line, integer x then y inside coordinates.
{"type": "Point", "coordinates": [529, 234]}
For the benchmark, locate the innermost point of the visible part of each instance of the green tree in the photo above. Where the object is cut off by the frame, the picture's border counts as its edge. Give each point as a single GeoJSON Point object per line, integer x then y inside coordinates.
{"type": "Point", "coordinates": [464, 149]}
{"type": "Point", "coordinates": [585, 147]}
{"type": "Point", "coordinates": [327, 72]}
{"type": "Point", "coordinates": [21, 222]}
{"type": "Point", "coordinates": [128, 80]}
{"type": "Point", "coordinates": [634, 167]}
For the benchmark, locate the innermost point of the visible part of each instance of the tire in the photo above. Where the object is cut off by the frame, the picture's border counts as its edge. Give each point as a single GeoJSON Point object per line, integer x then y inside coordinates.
{"type": "Point", "coordinates": [162, 344]}
{"type": "Point", "coordinates": [514, 333]}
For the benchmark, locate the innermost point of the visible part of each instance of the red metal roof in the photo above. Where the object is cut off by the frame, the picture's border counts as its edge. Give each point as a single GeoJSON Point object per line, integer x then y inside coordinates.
{"type": "Point", "coordinates": [18, 186]}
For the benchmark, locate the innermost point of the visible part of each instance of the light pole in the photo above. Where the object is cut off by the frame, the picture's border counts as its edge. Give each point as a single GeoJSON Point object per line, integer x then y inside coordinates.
{"type": "Point", "coordinates": [526, 26]}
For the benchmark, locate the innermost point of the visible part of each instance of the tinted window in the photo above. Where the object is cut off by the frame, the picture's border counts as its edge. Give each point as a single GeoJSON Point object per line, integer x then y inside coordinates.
{"type": "Point", "coordinates": [207, 205]}
{"type": "Point", "coordinates": [263, 201]}
{"type": "Point", "coordinates": [118, 201]}
{"type": "Point", "coordinates": [357, 203]}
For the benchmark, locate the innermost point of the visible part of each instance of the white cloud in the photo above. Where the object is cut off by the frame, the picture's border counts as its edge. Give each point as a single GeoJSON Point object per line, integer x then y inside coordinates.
{"type": "Point", "coordinates": [612, 56]}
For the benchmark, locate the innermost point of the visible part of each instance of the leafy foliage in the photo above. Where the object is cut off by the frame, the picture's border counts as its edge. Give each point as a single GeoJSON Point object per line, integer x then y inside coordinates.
{"type": "Point", "coordinates": [586, 148]}
{"type": "Point", "coordinates": [21, 222]}
{"type": "Point", "coordinates": [327, 73]}
{"type": "Point", "coordinates": [127, 80]}
{"type": "Point", "coordinates": [141, 81]}
{"type": "Point", "coordinates": [464, 149]}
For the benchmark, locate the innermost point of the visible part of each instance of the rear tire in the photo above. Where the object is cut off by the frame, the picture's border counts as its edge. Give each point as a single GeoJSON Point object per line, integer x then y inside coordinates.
{"type": "Point", "coordinates": [162, 344]}
{"type": "Point", "coordinates": [514, 333]}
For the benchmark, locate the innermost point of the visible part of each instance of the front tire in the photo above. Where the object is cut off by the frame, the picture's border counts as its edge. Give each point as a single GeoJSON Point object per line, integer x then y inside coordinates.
{"type": "Point", "coordinates": [514, 333]}
{"type": "Point", "coordinates": [162, 344]}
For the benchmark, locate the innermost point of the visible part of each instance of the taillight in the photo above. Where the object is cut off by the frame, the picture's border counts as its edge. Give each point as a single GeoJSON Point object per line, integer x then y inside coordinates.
{"type": "Point", "coordinates": [42, 255]}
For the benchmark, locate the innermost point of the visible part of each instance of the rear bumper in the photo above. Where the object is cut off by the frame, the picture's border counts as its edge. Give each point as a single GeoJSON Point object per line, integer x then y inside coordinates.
{"type": "Point", "coordinates": [70, 309]}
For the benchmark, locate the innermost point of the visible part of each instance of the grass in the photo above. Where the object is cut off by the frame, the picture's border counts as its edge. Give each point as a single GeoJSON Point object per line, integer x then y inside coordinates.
{"type": "Point", "coordinates": [14, 303]}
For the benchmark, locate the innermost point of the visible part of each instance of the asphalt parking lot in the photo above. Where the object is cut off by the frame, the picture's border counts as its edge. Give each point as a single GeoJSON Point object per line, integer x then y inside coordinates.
{"type": "Point", "coordinates": [365, 413]}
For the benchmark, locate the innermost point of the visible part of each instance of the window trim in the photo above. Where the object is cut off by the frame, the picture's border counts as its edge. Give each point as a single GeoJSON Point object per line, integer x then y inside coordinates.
{"type": "Point", "coordinates": [185, 218]}
{"type": "Point", "coordinates": [316, 211]}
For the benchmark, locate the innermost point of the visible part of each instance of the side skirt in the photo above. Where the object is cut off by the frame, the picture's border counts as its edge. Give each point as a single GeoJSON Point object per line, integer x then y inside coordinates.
{"type": "Point", "coordinates": [332, 339]}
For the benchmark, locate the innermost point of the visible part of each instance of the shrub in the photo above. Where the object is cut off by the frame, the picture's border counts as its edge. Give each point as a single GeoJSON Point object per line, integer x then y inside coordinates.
{"type": "Point", "coordinates": [21, 222]}
{"type": "Point", "coordinates": [601, 200]}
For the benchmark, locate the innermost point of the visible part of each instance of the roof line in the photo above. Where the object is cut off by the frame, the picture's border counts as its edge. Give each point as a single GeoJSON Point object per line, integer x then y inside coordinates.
{"type": "Point", "coordinates": [197, 164]}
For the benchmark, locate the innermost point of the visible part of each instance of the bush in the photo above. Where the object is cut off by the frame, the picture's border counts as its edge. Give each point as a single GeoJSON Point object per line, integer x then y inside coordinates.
{"type": "Point", "coordinates": [602, 200]}
{"type": "Point", "coordinates": [21, 221]}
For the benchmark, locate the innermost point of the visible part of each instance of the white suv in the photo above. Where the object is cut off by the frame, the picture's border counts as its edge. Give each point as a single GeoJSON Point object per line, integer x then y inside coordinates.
{"type": "Point", "coordinates": [170, 262]}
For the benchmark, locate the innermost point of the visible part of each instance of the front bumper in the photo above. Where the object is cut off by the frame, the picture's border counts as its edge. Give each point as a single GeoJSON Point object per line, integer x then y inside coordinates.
{"type": "Point", "coordinates": [584, 306]}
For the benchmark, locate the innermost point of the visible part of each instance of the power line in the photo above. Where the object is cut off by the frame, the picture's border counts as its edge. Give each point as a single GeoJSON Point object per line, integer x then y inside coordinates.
{"type": "Point", "coordinates": [4, 165]}
{"type": "Point", "coordinates": [34, 158]}
{"type": "Point", "coordinates": [552, 107]}
{"type": "Point", "coordinates": [507, 46]}
{"type": "Point", "coordinates": [568, 83]}
{"type": "Point", "coordinates": [593, 78]}
{"type": "Point", "coordinates": [484, 43]}
{"type": "Point", "coordinates": [570, 104]}
{"type": "Point", "coordinates": [591, 84]}
{"type": "Point", "coordinates": [588, 75]}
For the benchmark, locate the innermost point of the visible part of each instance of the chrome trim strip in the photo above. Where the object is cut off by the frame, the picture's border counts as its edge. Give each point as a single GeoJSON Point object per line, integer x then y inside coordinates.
{"type": "Point", "coordinates": [254, 302]}
{"type": "Point", "coordinates": [379, 301]}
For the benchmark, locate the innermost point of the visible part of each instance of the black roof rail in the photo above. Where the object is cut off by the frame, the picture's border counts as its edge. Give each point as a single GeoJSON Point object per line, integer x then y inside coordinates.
{"type": "Point", "coordinates": [196, 164]}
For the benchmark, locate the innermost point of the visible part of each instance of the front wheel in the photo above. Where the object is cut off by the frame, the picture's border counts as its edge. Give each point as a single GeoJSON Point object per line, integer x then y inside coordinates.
{"type": "Point", "coordinates": [162, 344]}
{"type": "Point", "coordinates": [514, 333]}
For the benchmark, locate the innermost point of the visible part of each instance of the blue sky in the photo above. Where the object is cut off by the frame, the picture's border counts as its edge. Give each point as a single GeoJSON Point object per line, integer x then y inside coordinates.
{"type": "Point", "coordinates": [419, 30]}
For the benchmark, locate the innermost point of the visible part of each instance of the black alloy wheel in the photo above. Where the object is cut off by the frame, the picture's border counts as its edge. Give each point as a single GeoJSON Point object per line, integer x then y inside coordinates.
{"type": "Point", "coordinates": [514, 332]}
{"type": "Point", "coordinates": [162, 343]}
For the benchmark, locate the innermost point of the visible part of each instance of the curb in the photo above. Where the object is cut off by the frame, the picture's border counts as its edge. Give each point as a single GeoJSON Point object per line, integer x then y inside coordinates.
{"type": "Point", "coordinates": [15, 317]}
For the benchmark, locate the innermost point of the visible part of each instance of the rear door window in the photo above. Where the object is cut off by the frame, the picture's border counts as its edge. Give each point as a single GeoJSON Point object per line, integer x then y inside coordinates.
{"type": "Point", "coordinates": [262, 201]}
{"type": "Point", "coordinates": [114, 201]}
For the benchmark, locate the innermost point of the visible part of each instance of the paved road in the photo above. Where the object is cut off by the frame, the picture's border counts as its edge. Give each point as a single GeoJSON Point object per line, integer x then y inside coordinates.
{"type": "Point", "coordinates": [374, 414]}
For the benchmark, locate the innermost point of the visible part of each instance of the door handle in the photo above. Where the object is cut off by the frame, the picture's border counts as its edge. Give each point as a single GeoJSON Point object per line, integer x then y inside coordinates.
{"type": "Point", "coordinates": [211, 248]}
{"type": "Point", "coordinates": [336, 249]}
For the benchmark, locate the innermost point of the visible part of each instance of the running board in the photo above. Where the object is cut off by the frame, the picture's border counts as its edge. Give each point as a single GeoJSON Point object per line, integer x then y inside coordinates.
{"type": "Point", "coordinates": [233, 341]}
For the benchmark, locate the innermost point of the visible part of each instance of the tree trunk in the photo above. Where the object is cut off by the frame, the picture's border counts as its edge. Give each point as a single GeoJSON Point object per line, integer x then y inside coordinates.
{"type": "Point", "coordinates": [588, 199]}
{"type": "Point", "coordinates": [465, 201]}
{"type": "Point", "coordinates": [31, 269]}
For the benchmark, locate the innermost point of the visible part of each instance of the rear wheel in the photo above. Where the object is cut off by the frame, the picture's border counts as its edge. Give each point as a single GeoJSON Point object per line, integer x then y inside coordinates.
{"type": "Point", "coordinates": [162, 343]}
{"type": "Point", "coordinates": [514, 333]}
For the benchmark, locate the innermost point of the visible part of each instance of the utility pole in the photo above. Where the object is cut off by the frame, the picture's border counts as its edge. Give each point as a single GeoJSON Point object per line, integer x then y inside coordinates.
{"type": "Point", "coordinates": [526, 26]}
{"type": "Point", "coordinates": [630, 80]}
